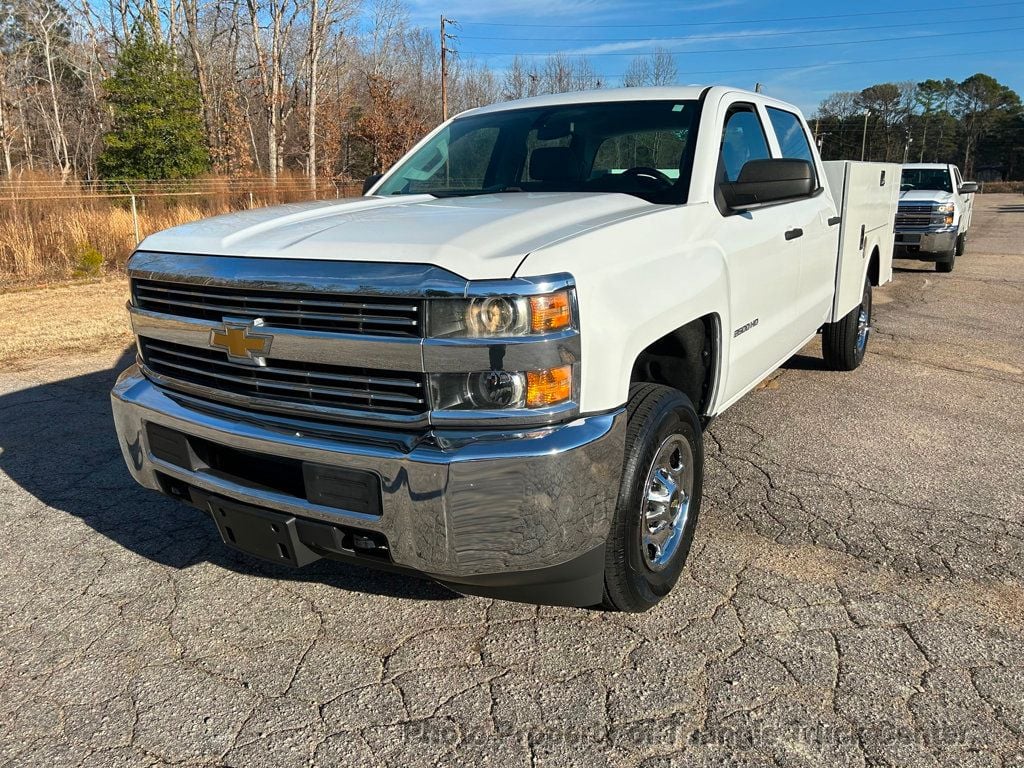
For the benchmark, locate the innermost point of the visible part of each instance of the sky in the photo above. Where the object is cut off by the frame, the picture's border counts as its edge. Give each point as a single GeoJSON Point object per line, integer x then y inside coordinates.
{"type": "Point", "coordinates": [800, 50]}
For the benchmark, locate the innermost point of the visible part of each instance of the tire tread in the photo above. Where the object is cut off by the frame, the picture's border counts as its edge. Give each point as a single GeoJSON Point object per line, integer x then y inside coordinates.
{"type": "Point", "coordinates": [644, 400]}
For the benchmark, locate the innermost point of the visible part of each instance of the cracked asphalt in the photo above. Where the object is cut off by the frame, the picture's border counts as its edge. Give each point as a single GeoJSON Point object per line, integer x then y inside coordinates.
{"type": "Point", "coordinates": [854, 597]}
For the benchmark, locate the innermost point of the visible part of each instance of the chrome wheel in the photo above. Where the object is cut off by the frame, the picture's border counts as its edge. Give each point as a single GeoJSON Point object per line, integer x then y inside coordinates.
{"type": "Point", "coordinates": [864, 322]}
{"type": "Point", "coordinates": [666, 503]}
{"type": "Point", "coordinates": [863, 328]}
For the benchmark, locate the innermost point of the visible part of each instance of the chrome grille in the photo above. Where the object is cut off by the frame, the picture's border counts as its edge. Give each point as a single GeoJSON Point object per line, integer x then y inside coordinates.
{"type": "Point", "coordinates": [313, 311]}
{"type": "Point", "coordinates": [914, 216]}
{"type": "Point", "coordinates": [285, 383]}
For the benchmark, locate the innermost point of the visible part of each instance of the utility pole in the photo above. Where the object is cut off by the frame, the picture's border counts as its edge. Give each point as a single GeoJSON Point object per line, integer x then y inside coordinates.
{"type": "Point", "coordinates": [445, 37]}
{"type": "Point", "coordinates": [864, 139]}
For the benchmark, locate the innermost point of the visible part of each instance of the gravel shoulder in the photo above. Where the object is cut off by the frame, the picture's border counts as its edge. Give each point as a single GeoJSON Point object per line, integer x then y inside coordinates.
{"type": "Point", "coordinates": [855, 594]}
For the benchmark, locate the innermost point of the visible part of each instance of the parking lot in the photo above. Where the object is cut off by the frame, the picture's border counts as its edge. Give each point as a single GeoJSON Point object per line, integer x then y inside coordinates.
{"type": "Point", "coordinates": [855, 595]}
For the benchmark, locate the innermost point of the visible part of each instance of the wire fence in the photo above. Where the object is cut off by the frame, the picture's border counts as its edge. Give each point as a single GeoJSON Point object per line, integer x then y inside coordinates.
{"type": "Point", "coordinates": [232, 193]}
{"type": "Point", "coordinates": [256, 187]}
{"type": "Point", "coordinates": [53, 228]}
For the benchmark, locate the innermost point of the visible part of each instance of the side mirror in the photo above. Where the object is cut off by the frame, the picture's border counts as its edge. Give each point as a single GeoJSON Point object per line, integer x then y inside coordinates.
{"type": "Point", "coordinates": [371, 180]}
{"type": "Point", "coordinates": [968, 187]}
{"type": "Point", "coordinates": [762, 182]}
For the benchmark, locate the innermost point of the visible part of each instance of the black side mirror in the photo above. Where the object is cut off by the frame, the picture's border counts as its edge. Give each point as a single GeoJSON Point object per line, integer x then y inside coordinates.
{"type": "Point", "coordinates": [968, 187]}
{"type": "Point", "coordinates": [763, 182]}
{"type": "Point", "coordinates": [371, 180]}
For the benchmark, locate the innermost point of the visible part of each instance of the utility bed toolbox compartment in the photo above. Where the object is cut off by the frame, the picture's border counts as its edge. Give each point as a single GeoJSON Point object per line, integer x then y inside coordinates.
{"type": "Point", "coordinates": [867, 195]}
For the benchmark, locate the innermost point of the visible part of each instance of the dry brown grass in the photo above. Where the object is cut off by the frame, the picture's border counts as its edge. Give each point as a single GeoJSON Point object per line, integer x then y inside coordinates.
{"type": "Point", "coordinates": [40, 240]}
{"type": "Point", "coordinates": [51, 230]}
{"type": "Point", "coordinates": [73, 318]}
{"type": "Point", "coordinates": [996, 187]}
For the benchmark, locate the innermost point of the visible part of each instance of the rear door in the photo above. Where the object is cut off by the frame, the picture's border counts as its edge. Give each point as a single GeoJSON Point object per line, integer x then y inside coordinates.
{"type": "Point", "coordinates": [816, 246]}
{"type": "Point", "coordinates": [763, 266]}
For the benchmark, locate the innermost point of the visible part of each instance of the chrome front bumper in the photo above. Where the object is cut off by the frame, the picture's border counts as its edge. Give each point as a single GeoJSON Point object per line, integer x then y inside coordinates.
{"type": "Point", "coordinates": [932, 242]}
{"type": "Point", "coordinates": [494, 507]}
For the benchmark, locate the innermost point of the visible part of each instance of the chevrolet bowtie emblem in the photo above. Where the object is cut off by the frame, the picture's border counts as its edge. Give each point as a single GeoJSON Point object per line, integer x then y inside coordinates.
{"type": "Point", "coordinates": [241, 343]}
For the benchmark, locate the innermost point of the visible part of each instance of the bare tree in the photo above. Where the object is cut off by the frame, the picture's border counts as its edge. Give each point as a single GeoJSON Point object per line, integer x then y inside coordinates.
{"type": "Point", "coordinates": [280, 18]}
{"type": "Point", "coordinates": [520, 80]}
{"type": "Point", "coordinates": [658, 68]}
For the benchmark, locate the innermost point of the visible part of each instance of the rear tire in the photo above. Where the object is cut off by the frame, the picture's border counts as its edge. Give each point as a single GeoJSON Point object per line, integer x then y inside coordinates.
{"type": "Point", "coordinates": [659, 498]}
{"type": "Point", "coordinates": [946, 264]}
{"type": "Point", "coordinates": [844, 342]}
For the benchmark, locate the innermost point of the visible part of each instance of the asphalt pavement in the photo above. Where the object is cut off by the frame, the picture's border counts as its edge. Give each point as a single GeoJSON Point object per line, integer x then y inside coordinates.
{"type": "Point", "coordinates": [854, 597]}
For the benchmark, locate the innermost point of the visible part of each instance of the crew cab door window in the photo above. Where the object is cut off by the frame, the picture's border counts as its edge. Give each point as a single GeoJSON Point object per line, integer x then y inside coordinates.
{"type": "Point", "coordinates": [791, 136]}
{"type": "Point", "coordinates": [789, 130]}
{"type": "Point", "coordinates": [743, 139]}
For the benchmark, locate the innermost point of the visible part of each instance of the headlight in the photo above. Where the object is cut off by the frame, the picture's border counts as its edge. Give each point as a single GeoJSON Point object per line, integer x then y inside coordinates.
{"type": "Point", "coordinates": [500, 316]}
{"type": "Point", "coordinates": [501, 390]}
{"type": "Point", "coordinates": [945, 208]}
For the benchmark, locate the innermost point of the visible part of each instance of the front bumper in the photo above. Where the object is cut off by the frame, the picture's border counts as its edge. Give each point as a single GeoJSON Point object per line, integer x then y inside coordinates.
{"type": "Point", "coordinates": [915, 244]}
{"type": "Point", "coordinates": [521, 515]}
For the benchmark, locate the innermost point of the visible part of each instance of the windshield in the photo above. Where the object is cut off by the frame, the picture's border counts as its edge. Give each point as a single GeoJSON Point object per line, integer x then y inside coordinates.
{"type": "Point", "coordinates": [640, 148]}
{"type": "Point", "coordinates": [926, 178]}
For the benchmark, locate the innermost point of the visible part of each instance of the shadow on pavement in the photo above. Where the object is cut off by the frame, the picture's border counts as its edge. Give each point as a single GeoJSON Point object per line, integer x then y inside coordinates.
{"type": "Point", "coordinates": [924, 266]}
{"type": "Point", "coordinates": [1010, 209]}
{"type": "Point", "coordinates": [57, 442]}
{"type": "Point", "coordinates": [804, 363]}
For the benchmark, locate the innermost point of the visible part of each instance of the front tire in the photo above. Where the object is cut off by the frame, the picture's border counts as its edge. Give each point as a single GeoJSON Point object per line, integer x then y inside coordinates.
{"type": "Point", "coordinates": [845, 342]}
{"type": "Point", "coordinates": [961, 244]}
{"type": "Point", "coordinates": [659, 498]}
{"type": "Point", "coordinates": [946, 263]}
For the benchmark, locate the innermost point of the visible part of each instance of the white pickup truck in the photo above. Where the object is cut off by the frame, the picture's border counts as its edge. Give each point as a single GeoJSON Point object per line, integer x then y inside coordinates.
{"type": "Point", "coordinates": [495, 368]}
{"type": "Point", "coordinates": [934, 214]}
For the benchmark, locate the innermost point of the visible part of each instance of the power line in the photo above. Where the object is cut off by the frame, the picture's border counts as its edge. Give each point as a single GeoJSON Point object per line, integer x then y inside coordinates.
{"type": "Point", "coordinates": [930, 10]}
{"type": "Point", "coordinates": [826, 64]}
{"type": "Point", "coordinates": [760, 48]}
{"type": "Point", "coordinates": [732, 36]}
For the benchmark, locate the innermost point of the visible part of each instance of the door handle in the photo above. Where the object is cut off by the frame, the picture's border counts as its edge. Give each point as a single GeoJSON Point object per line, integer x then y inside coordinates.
{"type": "Point", "coordinates": [793, 234]}
{"type": "Point", "coordinates": [835, 220]}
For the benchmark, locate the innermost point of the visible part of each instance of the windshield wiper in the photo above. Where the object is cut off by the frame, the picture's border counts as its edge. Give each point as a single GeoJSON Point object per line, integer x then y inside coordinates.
{"type": "Point", "coordinates": [498, 189]}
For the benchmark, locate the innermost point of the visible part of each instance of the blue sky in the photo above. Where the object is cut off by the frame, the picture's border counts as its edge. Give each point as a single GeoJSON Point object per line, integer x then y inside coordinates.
{"type": "Point", "coordinates": [740, 42]}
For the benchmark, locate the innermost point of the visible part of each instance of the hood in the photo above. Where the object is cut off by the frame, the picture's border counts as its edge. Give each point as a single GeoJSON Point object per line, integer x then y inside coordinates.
{"type": "Point", "coordinates": [926, 196]}
{"type": "Point", "coordinates": [475, 237]}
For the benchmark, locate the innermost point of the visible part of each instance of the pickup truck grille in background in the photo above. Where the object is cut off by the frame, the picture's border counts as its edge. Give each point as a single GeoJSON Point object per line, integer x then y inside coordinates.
{"type": "Point", "coordinates": [285, 383]}
{"type": "Point", "coordinates": [914, 216]}
{"type": "Point", "coordinates": [312, 311]}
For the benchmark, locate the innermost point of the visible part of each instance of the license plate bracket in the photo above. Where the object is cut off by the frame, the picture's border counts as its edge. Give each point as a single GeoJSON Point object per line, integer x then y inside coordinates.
{"type": "Point", "coordinates": [268, 535]}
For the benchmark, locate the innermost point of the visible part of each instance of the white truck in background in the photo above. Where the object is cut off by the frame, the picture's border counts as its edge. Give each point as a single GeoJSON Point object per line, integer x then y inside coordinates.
{"type": "Point", "coordinates": [934, 214]}
{"type": "Point", "coordinates": [495, 368]}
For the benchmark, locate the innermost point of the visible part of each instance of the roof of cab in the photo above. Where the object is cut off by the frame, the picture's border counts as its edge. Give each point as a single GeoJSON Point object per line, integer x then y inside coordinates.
{"type": "Point", "coordinates": [680, 93]}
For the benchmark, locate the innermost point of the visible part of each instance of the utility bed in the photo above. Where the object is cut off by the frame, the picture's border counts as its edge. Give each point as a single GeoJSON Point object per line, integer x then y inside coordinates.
{"type": "Point", "coordinates": [866, 195]}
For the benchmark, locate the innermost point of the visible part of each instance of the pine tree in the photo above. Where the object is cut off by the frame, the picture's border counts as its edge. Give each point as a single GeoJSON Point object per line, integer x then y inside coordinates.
{"type": "Point", "coordinates": [157, 129]}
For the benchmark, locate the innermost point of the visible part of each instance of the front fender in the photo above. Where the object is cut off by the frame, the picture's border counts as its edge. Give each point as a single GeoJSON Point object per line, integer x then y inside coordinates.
{"type": "Point", "coordinates": [637, 280]}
